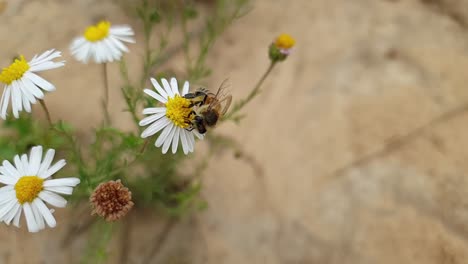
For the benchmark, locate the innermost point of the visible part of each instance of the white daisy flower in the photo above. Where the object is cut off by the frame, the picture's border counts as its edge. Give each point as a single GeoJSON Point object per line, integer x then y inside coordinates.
{"type": "Point", "coordinates": [22, 85]}
{"type": "Point", "coordinates": [102, 43]}
{"type": "Point", "coordinates": [28, 186]}
{"type": "Point", "coordinates": [173, 118]}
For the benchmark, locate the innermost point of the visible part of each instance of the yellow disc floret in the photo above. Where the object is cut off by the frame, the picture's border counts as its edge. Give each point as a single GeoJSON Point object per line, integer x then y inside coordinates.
{"type": "Point", "coordinates": [15, 71]}
{"type": "Point", "coordinates": [28, 188]}
{"type": "Point", "coordinates": [285, 41]}
{"type": "Point", "coordinates": [98, 31]}
{"type": "Point", "coordinates": [179, 111]}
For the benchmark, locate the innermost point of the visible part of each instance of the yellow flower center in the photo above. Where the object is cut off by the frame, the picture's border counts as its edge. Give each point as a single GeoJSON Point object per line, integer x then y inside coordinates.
{"type": "Point", "coordinates": [179, 111]}
{"type": "Point", "coordinates": [28, 188]}
{"type": "Point", "coordinates": [285, 41]}
{"type": "Point", "coordinates": [98, 31]}
{"type": "Point", "coordinates": [15, 71]}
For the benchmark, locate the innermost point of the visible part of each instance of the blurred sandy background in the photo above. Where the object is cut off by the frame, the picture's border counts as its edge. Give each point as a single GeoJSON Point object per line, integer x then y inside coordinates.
{"type": "Point", "coordinates": [361, 134]}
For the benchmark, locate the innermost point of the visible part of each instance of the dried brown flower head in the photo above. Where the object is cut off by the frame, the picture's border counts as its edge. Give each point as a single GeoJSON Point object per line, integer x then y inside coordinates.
{"type": "Point", "coordinates": [111, 200]}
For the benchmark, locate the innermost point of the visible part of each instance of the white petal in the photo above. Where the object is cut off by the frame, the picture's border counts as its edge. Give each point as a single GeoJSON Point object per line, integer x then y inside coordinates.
{"type": "Point", "coordinates": [84, 53]}
{"type": "Point", "coordinates": [32, 88]}
{"type": "Point", "coordinates": [44, 57]}
{"type": "Point", "coordinates": [7, 179]}
{"type": "Point", "coordinates": [11, 198]}
{"type": "Point", "coordinates": [57, 166]}
{"type": "Point", "coordinates": [163, 136]}
{"type": "Point", "coordinates": [150, 119]}
{"type": "Point", "coordinates": [26, 91]}
{"type": "Point", "coordinates": [124, 39]}
{"type": "Point", "coordinates": [118, 43]}
{"type": "Point", "coordinates": [11, 170]}
{"type": "Point", "coordinates": [48, 217]}
{"type": "Point", "coordinates": [76, 44]}
{"type": "Point", "coordinates": [48, 65]}
{"type": "Point", "coordinates": [49, 156]}
{"type": "Point", "coordinates": [167, 87]}
{"type": "Point", "coordinates": [39, 81]}
{"type": "Point", "coordinates": [60, 189]}
{"type": "Point", "coordinates": [26, 103]}
{"type": "Point", "coordinates": [30, 220]}
{"type": "Point", "coordinates": [5, 174]}
{"type": "Point", "coordinates": [62, 182]}
{"type": "Point", "coordinates": [191, 140]}
{"type": "Point", "coordinates": [15, 95]}
{"type": "Point", "coordinates": [198, 135]}
{"type": "Point", "coordinates": [5, 189]}
{"type": "Point", "coordinates": [174, 86]}
{"type": "Point", "coordinates": [38, 216]}
{"type": "Point", "coordinates": [18, 98]}
{"type": "Point", "coordinates": [4, 101]}
{"type": "Point", "coordinates": [80, 49]}
{"type": "Point", "coordinates": [155, 127]}
{"type": "Point", "coordinates": [44, 62]}
{"type": "Point", "coordinates": [125, 30]}
{"type": "Point", "coordinates": [154, 110]}
{"type": "Point", "coordinates": [19, 165]}
{"type": "Point", "coordinates": [183, 139]}
{"type": "Point", "coordinates": [102, 52]}
{"type": "Point", "coordinates": [175, 140]}
{"type": "Point", "coordinates": [115, 53]}
{"type": "Point", "coordinates": [158, 88]}
{"type": "Point", "coordinates": [8, 195]}
{"type": "Point", "coordinates": [6, 208]}
{"type": "Point", "coordinates": [168, 140]}
{"type": "Point", "coordinates": [53, 199]}
{"type": "Point", "coordinates": [185, 89]}
{"type": "Point", "coordinates": [16, 220]}
{"type": "Point", "coordinates": [155, 95]}
{"type": "Point", "coordinates": [25, 162]}
{"type": "Point", "coordinates": [92, 52]}
{"type": "Point", "coordinates": [35, 158]}
{"type": "Point", "coordinates": [41, 57]}
{"type": "Point", "coordinates": [11, 214]}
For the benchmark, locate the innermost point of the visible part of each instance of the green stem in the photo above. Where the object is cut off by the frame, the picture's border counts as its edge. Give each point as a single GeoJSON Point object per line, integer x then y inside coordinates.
{"type": "Point", "coordinates": [255, 91]}
{"type": "Point", "coordinates": [74, 145]}
{"type": "Point", "coordinates": [147, 28]}
{"type": "Point", "coordinates": [107, 120]}
{"type": "Point", "coordinates": [47, 113]}
{"type": "Point", "coordinates": [141, 152]}
{"type": "Point", "coordinates": [131, 104]}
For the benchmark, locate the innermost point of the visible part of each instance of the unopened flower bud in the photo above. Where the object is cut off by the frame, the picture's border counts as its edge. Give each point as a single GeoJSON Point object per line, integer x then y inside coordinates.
{"type": "Point", "coordinates": [280, 49]}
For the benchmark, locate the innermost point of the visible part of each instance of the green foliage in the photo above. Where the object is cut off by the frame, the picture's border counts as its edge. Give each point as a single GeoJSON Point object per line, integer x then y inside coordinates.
{"type": "Point", "coordinates": [156, 180]}
{"type": "Point", "coordinates": [100, 236]}
{"type": "Point", "coordinates": [22, 133]}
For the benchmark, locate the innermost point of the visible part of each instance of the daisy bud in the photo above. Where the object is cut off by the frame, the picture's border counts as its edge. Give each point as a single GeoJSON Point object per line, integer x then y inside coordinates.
{"type": "Point", "coordinates": [111, 200]}
{"type": "Point", "coordinates": [281, 47]}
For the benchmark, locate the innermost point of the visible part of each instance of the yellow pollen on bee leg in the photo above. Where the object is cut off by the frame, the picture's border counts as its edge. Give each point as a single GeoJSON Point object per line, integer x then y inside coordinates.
{"type": "Point", "coordinates": [97, 32]}
{"type": "Point", "coordinates": [28, 188]}
{"type": "Point", "coordinates": [178, 110]}
{"type": "Point", "coordinates": [285, 41]}
{"type": "Point", "coordinates": [15, 71]}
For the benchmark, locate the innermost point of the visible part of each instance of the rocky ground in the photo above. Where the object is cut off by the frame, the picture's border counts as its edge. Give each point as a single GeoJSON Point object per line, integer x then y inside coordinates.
{"type": "Point", "coordinates": [360, 136]}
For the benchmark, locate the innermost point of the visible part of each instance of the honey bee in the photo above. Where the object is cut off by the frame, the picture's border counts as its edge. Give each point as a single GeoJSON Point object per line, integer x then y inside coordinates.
{"type": "Point", "coordinates": [208, 107]}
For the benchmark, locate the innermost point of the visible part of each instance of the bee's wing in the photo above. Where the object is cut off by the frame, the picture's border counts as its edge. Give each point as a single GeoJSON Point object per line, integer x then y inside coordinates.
{"type": "Point", "coordinates": [222, 100]}
{"type": "Point", "coordinates": [227, 102]}
{"type": "Point", "coordinates": [222, 104]}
